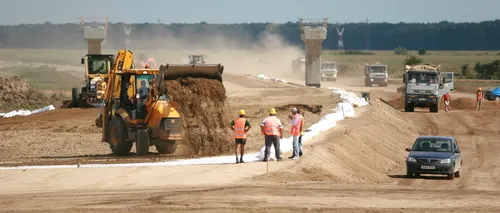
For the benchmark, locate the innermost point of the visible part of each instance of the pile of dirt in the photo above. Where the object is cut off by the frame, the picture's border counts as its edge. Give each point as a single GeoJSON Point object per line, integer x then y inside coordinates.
{"type": "Point", "coordinates": [456, 104]}
{"type": "Point", "coordinates": [202, 105]}
{"type": "Point", "coordinates": [15, 93]}
{"type": "Point", "coordinates": [374, 147]}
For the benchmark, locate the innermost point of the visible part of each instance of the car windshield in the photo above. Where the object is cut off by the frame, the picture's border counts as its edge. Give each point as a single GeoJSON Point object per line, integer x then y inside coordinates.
{"type": "Point", "coordinates": [378, 69]}
{"type": "Point", "coordinates": [423, 78]}
{"type": "Point", "coordinates": [432, 145]}
{"type": "Point", "coordinates": [328, 66]}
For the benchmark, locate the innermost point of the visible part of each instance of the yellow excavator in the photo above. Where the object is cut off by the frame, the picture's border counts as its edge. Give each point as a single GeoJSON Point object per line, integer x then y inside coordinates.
{"type": "Point", "coordinates": [137, 107]}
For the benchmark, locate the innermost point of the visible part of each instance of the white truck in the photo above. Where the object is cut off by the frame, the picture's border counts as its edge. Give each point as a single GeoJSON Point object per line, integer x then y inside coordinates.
{"type": "Point", "coordinates": [299, 66]}
{"type": "Point", "coordinates": [376, 74]}
{"type": "Point", "coordinates": [328, 71]}
{"type": "Point", "coordinates": [424, 85]}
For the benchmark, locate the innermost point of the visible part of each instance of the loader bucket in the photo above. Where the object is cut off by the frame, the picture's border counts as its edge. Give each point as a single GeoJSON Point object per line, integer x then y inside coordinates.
{"type": "Point", "coordinates": [175, 71]}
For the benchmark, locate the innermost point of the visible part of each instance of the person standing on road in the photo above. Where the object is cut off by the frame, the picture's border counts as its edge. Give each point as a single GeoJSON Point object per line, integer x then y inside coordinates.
{"type": "Point", "coordinates": [301, 132]}
{"type": "Point", "coordinates": [295, 132]}
{"type": "Point", "coordinates": [272, 129]}
{"type": "Point", "coordinates": [479, 98]}
{"type": "Point", "coordinates": [240, 127]}
{"type": "Point", "coordinates": [446, 98]}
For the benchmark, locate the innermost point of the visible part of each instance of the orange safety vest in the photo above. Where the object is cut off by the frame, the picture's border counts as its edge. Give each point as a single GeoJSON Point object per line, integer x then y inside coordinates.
{"type": "Point", "coordinates": [295, 131]}
{"type": "Point", "coordinates": [271, 127]}
{"type": "Point", "coordinates": [479, 95]}
{"type": "Point", "coordinates": [239, 128]}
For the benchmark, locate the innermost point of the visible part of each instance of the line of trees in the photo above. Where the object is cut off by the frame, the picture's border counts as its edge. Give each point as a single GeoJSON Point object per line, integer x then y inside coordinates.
{"type": "Point", "coordinates": [357, 36]}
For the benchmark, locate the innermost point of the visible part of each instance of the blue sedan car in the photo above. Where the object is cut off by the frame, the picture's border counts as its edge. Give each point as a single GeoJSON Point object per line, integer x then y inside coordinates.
{"type": "Point", "coordinates": [492, 94]}
{"type": "Point", "coordinates": [434, 155]}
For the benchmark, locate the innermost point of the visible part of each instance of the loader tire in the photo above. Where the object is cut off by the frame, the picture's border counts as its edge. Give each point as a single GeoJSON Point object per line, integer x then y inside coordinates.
{"type": "Point", "coordinates": [166, 148]}
{"type": "Point", "coordinates": [142, 142]}
{"type": "Point", "coordinates": [75, 97]}
{"type": "Point", "coordinates": [118, 141]}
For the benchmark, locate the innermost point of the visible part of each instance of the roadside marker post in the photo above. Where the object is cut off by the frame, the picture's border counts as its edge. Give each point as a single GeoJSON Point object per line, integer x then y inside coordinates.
{"type": "Point", "coordinates": [345, 121]}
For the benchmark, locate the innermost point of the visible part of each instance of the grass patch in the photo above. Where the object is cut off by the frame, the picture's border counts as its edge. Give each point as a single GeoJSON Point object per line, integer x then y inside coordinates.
{"type": "Point", "coordinates": [44, 77]}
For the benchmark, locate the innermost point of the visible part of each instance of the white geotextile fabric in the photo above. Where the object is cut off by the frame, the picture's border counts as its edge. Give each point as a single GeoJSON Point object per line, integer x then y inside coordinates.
{"type": "Point", "coordinates": [343, 108]}
{"type": "Point", "coordinates": [26, 112]}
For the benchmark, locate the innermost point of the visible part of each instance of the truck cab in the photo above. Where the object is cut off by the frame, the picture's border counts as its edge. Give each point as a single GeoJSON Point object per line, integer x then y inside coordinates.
{"type": "Point", "coordinates": [328, 71]}
{"type": "Point", "coordinates": [299, 65]}
{"type": "Point", "coordinates": [376, 74]}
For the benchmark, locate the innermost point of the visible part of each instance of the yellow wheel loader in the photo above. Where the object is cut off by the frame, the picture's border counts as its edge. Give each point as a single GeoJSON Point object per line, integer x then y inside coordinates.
{"type": "Point", "coordinates": [97, 67]}
{"type": "Point", "coordinates": [137, 106]}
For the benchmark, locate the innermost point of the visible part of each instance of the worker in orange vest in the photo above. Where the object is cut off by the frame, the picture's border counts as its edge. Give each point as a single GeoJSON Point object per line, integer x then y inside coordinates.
{"type": "Point", "coordinates": [479, 98]}
{"type": "Point", "coordinates": [272, 129]}
{"type": "Point", "coordinates": [240, 127]}
{"type": "Point", "coordinates": [301, 152]}
{"type": "Point", "coordinates": [296, 131]}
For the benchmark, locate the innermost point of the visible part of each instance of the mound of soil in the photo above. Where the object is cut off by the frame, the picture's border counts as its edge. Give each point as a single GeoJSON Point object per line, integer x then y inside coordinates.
{"type": "Point", "coordinates": [315, 109]}
{"type": "Point", "coordinates": [202, 105]}
{"type": "Point", "coordinates": [15, 93]}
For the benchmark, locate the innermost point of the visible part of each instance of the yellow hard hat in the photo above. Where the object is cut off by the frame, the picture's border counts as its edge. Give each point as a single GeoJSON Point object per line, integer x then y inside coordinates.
{"type": "Point", "coordinates": [272, 111]}
{"type": "Point", "coordinates": [480, 89]}
{"type": "Point", "coordinates": [242, 112]}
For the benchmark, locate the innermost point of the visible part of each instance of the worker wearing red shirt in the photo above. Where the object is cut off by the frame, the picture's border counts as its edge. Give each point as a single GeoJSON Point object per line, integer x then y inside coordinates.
{"type": "Point", "coordinates": [446, 98]}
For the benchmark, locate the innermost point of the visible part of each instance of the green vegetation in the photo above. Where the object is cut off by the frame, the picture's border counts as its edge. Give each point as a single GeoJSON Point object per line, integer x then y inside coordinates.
{"type": "Point", "coordinates": [357, 36]}
{"type": "Point", "coordinates": [44, 77]}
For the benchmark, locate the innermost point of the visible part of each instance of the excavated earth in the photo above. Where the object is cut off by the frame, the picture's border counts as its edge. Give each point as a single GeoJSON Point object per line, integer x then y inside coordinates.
{"type": "Point", "coordinates": [358, 166]}
{"type": "Point", "coordinates": [15, 94]}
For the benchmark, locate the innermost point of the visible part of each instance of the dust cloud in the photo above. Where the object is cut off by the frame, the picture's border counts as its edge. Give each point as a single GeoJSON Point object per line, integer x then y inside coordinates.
{"type": "Point", "coordinates": [240, 52]}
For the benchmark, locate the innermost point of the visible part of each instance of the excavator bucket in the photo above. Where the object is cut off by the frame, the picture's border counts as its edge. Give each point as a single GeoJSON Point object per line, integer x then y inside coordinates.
{"type": "Point", "coordinates": [175, 71]}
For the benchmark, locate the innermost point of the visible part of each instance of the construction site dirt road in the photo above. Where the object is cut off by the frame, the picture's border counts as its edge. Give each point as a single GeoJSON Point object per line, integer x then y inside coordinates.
{"type": "Point", "coordinates": [362, 171]}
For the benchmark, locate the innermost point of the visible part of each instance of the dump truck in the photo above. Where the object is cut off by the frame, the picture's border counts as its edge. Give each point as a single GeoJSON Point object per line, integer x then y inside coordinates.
{"type": "Point", "coordinates": [376, 74]}
{"type": "Point", "coordinates": [424, 84]}
{"type": "Point", "coordinates": [137, 107]}
{"type": "Point", "coordinates": [299, 65]}
{"type": "Point", "coordinates": [328, 71]}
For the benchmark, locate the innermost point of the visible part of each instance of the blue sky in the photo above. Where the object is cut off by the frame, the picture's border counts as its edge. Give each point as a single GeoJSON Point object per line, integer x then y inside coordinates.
{"type": "Point", "coordinates": [237, 11]}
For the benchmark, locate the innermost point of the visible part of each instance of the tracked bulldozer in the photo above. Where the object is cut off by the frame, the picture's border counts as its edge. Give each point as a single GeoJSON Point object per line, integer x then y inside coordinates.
{"type": "Point", "coordinates": [137, 107]}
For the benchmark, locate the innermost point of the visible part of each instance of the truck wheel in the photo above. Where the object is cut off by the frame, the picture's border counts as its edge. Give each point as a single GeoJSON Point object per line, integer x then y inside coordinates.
{"type": "Point", "coordinates": [118, 141]}
{"type": "Point", "coordinates": [409, 108]}
{"type": "Point", "coordinates": [166, 148]}
{"type": "Point", "coordinates": [142, 142]}
{"type": "Point", "coordinates": [434, 108]}
{"type": "Point", "coordinates": [75, 97]}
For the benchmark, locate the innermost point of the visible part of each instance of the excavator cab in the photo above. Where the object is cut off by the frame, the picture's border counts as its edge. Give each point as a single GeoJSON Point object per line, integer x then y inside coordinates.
{"type": "Point", "coordinates": [197, 59]}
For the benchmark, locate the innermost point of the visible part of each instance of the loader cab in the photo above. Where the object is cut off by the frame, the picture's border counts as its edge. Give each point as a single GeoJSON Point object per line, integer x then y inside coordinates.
{"type": "Point", "coordinates": [97, 64]}
{"type": "Point", "coordinates": [132, 92]}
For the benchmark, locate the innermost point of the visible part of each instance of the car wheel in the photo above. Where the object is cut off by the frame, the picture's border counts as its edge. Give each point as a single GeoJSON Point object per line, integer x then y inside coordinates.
{"type": "Point", "coordinates": [409, 174]}
{"type": "Point", "coordinates": [451, 175]}
{"type": "Point", "coordinates": [497, 98]}
{"type": "Point", "coordinates": [457, 174]}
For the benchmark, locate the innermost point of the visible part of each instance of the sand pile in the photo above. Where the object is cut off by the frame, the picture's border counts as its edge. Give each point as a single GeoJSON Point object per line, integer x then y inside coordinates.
{"type": "Point", "coordinates": [202, 105]}
{"type": "Point", "coordinates": [15, 93]}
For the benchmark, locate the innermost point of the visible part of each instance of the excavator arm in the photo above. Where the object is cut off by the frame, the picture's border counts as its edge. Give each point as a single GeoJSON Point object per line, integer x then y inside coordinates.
{"type": "Point", "coordinates": [124, 60]}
